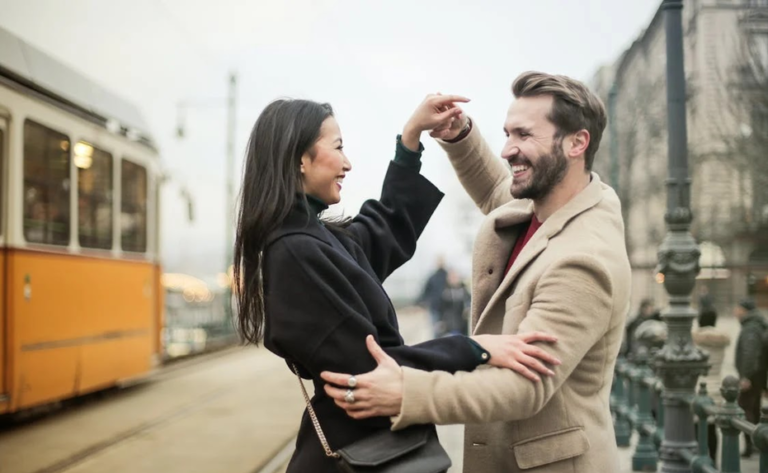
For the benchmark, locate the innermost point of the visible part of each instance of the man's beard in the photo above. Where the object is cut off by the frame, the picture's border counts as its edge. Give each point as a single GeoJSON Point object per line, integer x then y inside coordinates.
{"type": "Point", "coordinates": [549, 170]}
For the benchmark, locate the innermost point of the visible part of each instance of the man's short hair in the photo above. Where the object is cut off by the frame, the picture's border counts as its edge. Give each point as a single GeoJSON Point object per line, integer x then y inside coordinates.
{"type": "Point", "coordinates": [574, 108]}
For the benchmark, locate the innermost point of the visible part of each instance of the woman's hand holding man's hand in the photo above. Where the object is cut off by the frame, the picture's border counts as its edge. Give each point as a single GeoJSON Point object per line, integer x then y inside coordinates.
{"type": "Point", "coordinates": [436, 112]}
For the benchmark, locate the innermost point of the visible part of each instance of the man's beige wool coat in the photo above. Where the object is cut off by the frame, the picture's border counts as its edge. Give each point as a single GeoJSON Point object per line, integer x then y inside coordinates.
{"type": "Point", "coordinates": [572, 280]}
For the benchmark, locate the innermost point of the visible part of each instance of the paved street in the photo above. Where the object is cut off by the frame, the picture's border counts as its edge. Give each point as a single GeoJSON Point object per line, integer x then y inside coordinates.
{"type": "Point", "coordinates": [235, 411]}
{"type": "Point", "coordinates": [229, 412]}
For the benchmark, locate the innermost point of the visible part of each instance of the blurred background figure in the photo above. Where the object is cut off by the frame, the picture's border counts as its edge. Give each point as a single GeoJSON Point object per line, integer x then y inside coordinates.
{"type": "Point", "coordinates": [706, 305]}
{"type": "Point", "coordinates": [432, 294]}
{"type": "Point", "coordinates": [750, 362]}
{"type": "Point", "coordinates": [713, 340]}
{"type": "Point", "coordinates": [454, 306]}
{"type": "Point", "coordinates": [646, 312]}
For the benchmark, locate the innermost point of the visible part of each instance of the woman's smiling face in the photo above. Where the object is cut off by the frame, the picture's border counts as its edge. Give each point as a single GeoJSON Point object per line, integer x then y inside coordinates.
{"type": "Point", "coordinates": [325, 165]}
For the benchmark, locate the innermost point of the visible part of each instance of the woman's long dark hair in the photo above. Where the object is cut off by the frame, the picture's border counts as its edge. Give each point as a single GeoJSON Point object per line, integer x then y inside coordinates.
{"type": "Point", "coordinates": [284, 131]}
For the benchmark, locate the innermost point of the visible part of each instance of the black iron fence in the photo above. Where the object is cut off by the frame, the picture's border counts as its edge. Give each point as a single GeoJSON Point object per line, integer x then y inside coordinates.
{"type": "Point", "coordinates": [637, 407]}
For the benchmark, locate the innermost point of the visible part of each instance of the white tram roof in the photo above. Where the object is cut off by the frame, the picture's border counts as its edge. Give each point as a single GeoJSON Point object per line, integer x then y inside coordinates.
{"type": "Point", "coordinates": [33, 70]}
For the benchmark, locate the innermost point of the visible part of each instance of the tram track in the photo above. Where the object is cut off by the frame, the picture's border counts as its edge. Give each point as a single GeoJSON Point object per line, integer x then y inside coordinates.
{"type": "Point", "coordinates": [169, 372]}
{"type": "Point", "coordinates": [202, 415]}
{"type": "Point", "coordinates": [94, 450]}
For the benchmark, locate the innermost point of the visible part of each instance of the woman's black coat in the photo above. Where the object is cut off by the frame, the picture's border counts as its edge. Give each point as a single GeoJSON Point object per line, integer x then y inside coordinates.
{"type": "Point", "coordinates": [323, 296]}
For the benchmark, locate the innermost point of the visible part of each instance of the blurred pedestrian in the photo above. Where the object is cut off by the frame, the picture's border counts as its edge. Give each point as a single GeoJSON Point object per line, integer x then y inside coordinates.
{"type": "Point", "coordinates": [453, 306]}
{"type": "Point", "coordinates": [714, 341]}
{"type": "Point", "coordinates": [431, 296]}
{"type": "Point", "coordinates": [706, 303]}
{"type": "Point", "coordinates": [750, 362]}
{"type": "Point", "coordinates": [647, 311]}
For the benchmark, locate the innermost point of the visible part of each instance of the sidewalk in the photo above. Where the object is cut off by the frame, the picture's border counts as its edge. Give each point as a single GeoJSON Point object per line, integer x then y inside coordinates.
{"type": "Point", "coordinates": [752, 465]}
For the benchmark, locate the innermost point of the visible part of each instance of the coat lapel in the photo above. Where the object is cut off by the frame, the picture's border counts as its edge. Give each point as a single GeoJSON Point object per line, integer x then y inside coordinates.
{"type": "Point", "coordinates": [494, 245]}
{"type": "Point", "coordinates": [517, 212]}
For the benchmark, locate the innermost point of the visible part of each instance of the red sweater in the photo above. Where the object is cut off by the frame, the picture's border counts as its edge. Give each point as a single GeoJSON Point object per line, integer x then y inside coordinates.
{"type": "Point", "coordinates": [533, 225]}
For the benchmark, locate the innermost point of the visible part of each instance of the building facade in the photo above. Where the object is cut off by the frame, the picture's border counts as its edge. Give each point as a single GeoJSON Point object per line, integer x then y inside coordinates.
{"type": "Point", "coordinates": [726, 54]}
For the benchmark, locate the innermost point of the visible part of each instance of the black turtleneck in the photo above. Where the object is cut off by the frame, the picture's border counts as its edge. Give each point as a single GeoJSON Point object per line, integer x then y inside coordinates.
{"type": "Point", "coordinates": [316, 205]}
{"type": "Point", "coordinates": [405, 156]}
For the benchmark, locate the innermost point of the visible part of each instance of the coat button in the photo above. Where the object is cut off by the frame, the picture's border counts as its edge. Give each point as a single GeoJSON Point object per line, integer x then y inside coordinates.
{"type": "Point", "coordinates": [490, 271]}
{"type": "Point", "coordinates": [485, 356]}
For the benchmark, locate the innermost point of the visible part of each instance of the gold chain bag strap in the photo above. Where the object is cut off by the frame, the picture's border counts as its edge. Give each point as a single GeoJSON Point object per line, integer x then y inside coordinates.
{"type": "Point", "coordinates": [315, 422]}
{"type": "Point", "coordinates": [413, 450]}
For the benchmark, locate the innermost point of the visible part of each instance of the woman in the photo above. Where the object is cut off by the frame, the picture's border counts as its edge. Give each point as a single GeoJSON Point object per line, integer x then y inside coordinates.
{"type": "Point", "coordinates": [714, 341]}
{"type": "Point", "coordinates": [312, 288]}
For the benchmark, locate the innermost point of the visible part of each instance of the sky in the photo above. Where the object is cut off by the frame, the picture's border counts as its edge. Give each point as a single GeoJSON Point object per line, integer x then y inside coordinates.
{"type": "Point", "coordinates": [373, 61]}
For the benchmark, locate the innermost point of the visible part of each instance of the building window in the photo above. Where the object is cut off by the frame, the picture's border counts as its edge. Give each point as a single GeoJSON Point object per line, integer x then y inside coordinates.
{"type": "Point", "coordinates": [46, 185]}
{"type": "Point", "coordinates": [94, 196]}
{"type": "Point", "coordinates": [133, 207]}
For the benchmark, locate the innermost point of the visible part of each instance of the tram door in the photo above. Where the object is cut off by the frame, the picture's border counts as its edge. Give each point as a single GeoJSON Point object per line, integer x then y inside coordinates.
{"type": "Point", "coordinates": [4, 150]}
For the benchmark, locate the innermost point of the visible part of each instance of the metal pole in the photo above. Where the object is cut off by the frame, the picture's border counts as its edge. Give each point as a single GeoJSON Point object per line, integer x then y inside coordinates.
{"type": "Point", "coordinates": [230, 187]}
{"type": "Point", "coordinates": [613, 130]}
{"type": "Point", "coordinates": [679, 363]}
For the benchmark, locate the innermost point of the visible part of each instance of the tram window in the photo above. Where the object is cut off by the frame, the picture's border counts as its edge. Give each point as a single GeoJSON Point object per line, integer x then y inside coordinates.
{"type": "Point", "coordinates": [94, 196]}
{"type": "Point", "coordinates": [46, 185]}
{"type": "Point", "coordinates": [133, 207]}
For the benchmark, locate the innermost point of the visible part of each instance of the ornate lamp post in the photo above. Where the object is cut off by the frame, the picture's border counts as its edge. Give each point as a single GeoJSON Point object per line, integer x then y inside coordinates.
{"type": "Point", "coordinates": [679, 363]}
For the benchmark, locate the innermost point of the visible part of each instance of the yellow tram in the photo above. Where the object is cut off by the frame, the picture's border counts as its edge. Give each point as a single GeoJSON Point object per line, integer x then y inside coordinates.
{"type": "Point", "coordinates": [80, 296]}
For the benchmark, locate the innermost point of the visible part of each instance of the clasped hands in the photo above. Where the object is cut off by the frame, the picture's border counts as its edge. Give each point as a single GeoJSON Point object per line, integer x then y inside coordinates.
{"type": "Point", "coordinates": [439, 114]}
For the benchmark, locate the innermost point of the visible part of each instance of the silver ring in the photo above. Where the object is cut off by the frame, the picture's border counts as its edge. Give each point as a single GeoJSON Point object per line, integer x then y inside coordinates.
{"type": "Point", "coordinates": [349, 396]}
{"type": "Point", "coordinates": [352, 382]}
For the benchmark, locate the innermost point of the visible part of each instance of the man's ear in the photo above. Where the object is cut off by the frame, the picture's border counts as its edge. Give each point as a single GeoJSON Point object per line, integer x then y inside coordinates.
{"type": "Point", "coordinates": [579, 142]}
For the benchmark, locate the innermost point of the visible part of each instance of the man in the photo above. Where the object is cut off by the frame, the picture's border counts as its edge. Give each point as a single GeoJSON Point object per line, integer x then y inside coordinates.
{"type": "Point", "coordinates": [750, 362]}
{"type": "Point", "coordinates": [432, 294]}
{"type": "Point", "coordinates": [551, 258]}
{"type": "Point", "coordinates": [454, 302]}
